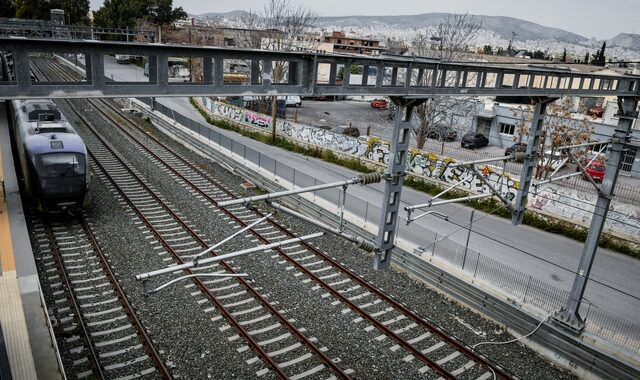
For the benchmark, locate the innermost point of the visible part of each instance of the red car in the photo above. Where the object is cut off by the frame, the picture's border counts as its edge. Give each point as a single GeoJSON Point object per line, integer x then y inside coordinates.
{"type": "Point", "coordinates": [380, 104]}
{"type": "Point", "coordinates": [596, 171]}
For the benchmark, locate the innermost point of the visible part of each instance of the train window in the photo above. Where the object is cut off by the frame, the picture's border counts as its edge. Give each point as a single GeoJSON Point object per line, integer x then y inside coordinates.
{"type": "Point", "coordinates": [46, 117]}
{"type": "Point", "coordinates": [60, 164]}
{"type": "Point", "coordinates": [57, 144]}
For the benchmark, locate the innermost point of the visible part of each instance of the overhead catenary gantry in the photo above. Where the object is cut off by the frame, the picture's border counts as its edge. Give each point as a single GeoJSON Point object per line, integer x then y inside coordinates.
{"type": "Point", "coordinates": [407, 80]}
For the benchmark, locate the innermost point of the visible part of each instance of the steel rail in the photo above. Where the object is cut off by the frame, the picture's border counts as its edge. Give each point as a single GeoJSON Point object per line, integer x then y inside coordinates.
{"type": "Point", "coordinates": [403, 309]}
{"type": "Point", "coordinates": [443, 335]}
{"type": "Point", "coordinates": [200, 284]}
{"type": "Point", "coordinates": [147, 342]}
{"type": "Point", "coordinates": [266, 302]}
{"type": "Point", "coordinates": [86, 336]}
{"type": "Point", "coordinates": [228, 316]}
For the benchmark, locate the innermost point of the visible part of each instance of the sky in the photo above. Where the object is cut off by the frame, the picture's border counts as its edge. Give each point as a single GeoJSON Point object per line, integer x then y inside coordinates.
{"type": "Point", "coordinates": [601, 19]}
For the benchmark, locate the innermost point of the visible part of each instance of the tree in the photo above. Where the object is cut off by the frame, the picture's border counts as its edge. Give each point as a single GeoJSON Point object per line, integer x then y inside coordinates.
{"type": "Point", "coordinates": [454, 34]}
{"type": "Point", "coordinates": [586, 58]}
{"type": "Point", "coordinates": [75, 11]}
{"type": "Point", "coordinates": [7, 8]}
{"type": "Point", "coordinates": [128, 13]}
{"type": "Point", "coordinates": [354, 70]}
{"type": "Point", "coordinates": [487, 49]}
{"type": "Point", "coordinates": [560, 129]}
{"type": "Point", "coordinates": [120, 13]}
{"type": "Point", "coordinates": [284, 27]}
{"type": "Point", "coordinates": [538, 54]}
{"type": "Point", "coordinates": [161, 13]}
{"type": "Point", "coordinates": [564, 56]}
{"type": "Point", "coordinates": [601, 57]}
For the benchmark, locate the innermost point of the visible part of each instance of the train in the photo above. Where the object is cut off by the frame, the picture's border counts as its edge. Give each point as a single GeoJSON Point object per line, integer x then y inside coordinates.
{"type": "Point", "coordinates": [52, 156]}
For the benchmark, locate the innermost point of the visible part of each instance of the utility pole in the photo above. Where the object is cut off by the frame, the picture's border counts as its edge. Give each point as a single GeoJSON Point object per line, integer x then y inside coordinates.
{"type": "Point", "coordinates": [570, 317]}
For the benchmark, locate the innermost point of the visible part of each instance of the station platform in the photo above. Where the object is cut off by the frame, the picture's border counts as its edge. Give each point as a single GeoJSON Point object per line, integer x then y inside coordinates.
{"type": "Point", "coordinates": [27, 350]}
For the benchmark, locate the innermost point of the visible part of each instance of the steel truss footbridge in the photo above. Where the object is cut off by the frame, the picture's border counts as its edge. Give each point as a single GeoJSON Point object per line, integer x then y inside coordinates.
{"type": "Point", "coordinates": [408, 81]}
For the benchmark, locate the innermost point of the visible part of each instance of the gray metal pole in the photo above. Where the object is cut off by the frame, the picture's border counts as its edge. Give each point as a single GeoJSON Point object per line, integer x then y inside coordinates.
{"type": "Point", "coordinates": [466, 246]}
{"type": "Point", "coordinates": [531, 159]}
{"type": "Point", "coordinates": [394, 176]}
{"type": "Point", "coordinates": [570, 317]}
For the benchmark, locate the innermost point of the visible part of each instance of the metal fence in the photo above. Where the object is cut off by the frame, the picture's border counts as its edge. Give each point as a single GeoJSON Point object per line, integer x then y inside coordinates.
{"type": "Point", "coordinates": [623, 192]}
{"type": "Point", "coordinates": [530, 290]}
{"type": "Point", "coordinates": [525, 288]}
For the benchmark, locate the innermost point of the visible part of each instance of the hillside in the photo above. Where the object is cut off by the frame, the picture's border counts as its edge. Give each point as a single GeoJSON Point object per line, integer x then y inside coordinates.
{"type": "Point", "coordinates": [501, 26]}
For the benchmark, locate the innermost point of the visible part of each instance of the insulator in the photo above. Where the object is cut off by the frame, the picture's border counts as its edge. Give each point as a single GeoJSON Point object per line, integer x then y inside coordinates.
{"type": "Point", "coordinates": [368, 178]}
{"type": "Point", "coordinates": [366, 245]}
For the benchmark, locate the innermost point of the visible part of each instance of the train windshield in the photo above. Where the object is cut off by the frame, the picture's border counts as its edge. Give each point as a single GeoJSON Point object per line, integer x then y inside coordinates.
{"type": "Point", "coordinates": [52, 165]}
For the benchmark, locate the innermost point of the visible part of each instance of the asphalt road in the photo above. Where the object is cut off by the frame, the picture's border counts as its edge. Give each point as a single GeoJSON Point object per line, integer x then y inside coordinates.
{"type": "Point", "coordinates": [540, 254]}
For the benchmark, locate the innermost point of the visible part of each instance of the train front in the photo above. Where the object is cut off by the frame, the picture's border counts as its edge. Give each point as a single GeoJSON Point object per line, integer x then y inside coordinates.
{"type": "Point", "coordinates": [60, 169]}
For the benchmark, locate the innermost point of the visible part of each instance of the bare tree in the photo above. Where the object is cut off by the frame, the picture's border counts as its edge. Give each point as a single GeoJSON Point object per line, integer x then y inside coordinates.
{"type": "Point", "coordinates": [280, 26]}
{"type": "Point", "coordinates": [450, 39]}
{"type": "Point", "coordinates": [560, 129]}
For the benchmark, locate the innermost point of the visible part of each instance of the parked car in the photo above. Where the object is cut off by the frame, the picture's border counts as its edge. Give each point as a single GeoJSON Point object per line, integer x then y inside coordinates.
{"type": "Point", "coordinates": [516, 148]}
{"type": "Point", "coordinates": [380, 104]}
{"type": "Point", "coordinates": [556, 160]}
{"type": "Point", "coordinates": [442, 134]}
{"type": "Point", "coordinates": [596, 171]}
{"type": "Point", "coordinates": [473, 140]}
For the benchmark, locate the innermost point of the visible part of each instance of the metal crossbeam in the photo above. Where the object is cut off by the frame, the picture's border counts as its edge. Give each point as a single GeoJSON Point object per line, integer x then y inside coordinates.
{"type": "Point", "coordinates": [308, 74]}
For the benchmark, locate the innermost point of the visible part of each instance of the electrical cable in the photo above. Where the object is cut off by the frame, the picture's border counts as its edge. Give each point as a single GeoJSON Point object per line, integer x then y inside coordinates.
{"type": "Point", "coordinates": [522, 337]}
{"type": "Point", "coordinates": [592, 279]}
{"type": "Point", "coordinates": [514, 340]}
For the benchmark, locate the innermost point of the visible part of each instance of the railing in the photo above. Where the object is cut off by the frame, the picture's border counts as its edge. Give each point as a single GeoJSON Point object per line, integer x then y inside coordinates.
{"type": "Point", "coordinates": [526, 288]}
{"type": "Point", "coordinates": [50, 29]}
{"type": "Point", "coordinates": [530, 290]}
{"type": "Point", "coordinates": [307, 73]}
{"type": "Point", "coordinates": [623, 193]}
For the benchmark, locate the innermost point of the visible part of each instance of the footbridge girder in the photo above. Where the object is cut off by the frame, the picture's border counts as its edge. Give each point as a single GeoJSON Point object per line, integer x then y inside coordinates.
{"type": "Point", "coordinates": [295, 73]}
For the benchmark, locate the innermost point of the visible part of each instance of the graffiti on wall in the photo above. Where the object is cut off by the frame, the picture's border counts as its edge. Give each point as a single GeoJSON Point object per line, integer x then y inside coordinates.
{"type": "Point", "coordinates": [323, 138]}
{"type": "Point", "coordinates": [577, 205]}
{"type": "Point", "coordinates": [553, 199]}
{"type": "Point", "coordinates": [237, 114]}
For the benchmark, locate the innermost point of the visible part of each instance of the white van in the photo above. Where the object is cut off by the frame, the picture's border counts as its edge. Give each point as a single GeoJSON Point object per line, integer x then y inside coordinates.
{"type": "Point", "coordinates": [292, 100]}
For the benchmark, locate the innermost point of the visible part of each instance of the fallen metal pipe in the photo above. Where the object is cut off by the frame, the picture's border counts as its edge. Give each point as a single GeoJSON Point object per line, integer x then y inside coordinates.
{"type": "Point", "coordinates": [362, 179]}
{"type": "Point", "coordinates": [356, 240]}
{"type": "Point", "coordinates": [159, 288]}
{"type": "Point", "coordinates": [191, 264]}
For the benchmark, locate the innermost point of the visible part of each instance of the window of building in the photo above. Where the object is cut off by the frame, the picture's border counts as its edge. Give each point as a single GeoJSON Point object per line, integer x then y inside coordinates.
{"type": "Point", "coordinates": [484, 125]}
{"type": "Point", "coordinates": [507, 129]}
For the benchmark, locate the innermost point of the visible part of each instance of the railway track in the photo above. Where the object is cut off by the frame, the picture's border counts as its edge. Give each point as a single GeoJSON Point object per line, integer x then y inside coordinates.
{"type": "Point", "coordinates": [103, 337]}
{"type": "Point", "coordinates": [408, 330]}
{"type": "Point", "coordinates": [442, 355]}
{"type": "Point", "coordinates": [277, 341]}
